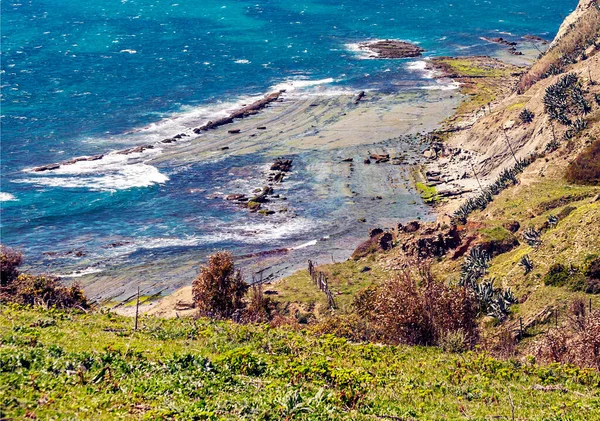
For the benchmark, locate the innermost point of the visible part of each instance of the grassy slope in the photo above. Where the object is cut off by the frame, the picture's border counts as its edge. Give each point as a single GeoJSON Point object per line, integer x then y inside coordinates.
{"type": "Point", "coordinates": [92, 366]}
{"type": "Point", "coordinates": [576, 237]}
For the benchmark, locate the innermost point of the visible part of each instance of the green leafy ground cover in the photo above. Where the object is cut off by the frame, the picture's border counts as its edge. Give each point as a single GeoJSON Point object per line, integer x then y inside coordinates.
{"type": "Point", "coordinates": [60, 365]}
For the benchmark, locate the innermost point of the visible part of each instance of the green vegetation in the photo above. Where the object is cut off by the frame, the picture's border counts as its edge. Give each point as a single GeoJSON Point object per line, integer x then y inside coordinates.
{"type": "Point", "coordinates": [66, 365]}
{"type": "Point", "coordinates": [482, 80]}
{"type": "Point", "coordinates": [428, 193]}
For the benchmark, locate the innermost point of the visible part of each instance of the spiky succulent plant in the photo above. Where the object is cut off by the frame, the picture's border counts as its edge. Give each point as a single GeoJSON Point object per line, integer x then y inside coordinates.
{"type": "Point", "coordinates": [526, 116]}
{"type": "Point", "coordinates": [527, 264]}
{"type": "Point", "coordinates": [532, 237]}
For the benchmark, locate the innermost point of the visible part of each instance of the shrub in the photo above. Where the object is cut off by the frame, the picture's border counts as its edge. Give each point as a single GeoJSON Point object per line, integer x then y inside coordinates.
{"type": "Point", "coordinates": [45, 291]}
{"type": "Point", "coordinates": [576, 343]}
{"type": "Point", "coordinates": [592, 266]}
{"type": "Point", "coordinates": [10, 260]}
{"type": "Point", "coordinates": [421, 313]}
{"type": "Point", "coordinates": [526, 116]}
{"type": "Point", "coordinates": [585, 169]}
{"type": "Point", "coordinates": [33, 290]}
{"type": "Point", "coordinates": [353, 327]}
{"type": "Point", "coordinates": [454, 341]}
{"type": "Point", "coordinates": [219, 289]}
{"type": "Point", "coordinates": [558, 275]}
{"type": "Point", "coordinates": [260, 308]}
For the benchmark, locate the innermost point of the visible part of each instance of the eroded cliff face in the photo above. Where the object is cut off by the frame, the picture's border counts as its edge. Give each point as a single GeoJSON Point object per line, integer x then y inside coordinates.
{"type": "Point", "coordinates": [575, 50]}
{"type": "Point", "coordinates": [581, 8]}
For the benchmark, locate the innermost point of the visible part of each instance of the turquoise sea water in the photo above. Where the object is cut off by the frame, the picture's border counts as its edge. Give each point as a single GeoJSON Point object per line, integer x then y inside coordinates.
{"type": "Point", "coordinates": [81, 78]}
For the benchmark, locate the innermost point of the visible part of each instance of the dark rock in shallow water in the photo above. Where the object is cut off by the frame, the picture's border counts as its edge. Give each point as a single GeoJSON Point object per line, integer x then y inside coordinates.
{"type": "Point", "coordinates": [137, 149]}
{"type": "Point", "coordinates": [283, 165]}
{"type": "Point", "coordinates": [392, 49]}
{"type": "Point", "coordinates": [360, 96]}
{"type": "Point", "coordinates": [235, 197]}
{"type": "Point", "coordinates": [500, 40]}
{"type": "Point", "coordinates": [46, 167]}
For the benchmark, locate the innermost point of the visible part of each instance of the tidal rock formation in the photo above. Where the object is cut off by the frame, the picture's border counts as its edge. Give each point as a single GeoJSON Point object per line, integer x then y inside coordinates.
{"type": "Point", "coordinates": [391, 49]}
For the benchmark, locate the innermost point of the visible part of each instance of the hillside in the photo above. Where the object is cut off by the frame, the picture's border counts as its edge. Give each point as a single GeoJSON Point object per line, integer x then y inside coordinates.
{"type": "Point", "coordinates": [72, 365]}
{"type": "Point", "coordinates": [504, 289]}
{"type": "Point", "coordinates": [486, 137]}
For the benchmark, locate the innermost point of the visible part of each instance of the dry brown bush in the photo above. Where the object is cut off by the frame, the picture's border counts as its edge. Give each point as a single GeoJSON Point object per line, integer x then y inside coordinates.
{"type": "Point", "coordinates": [583, 34]}
{"type": "Point", "coordinates": [44, 291]}
{"type": "Point", "coordinates": [404, 310]}
{"type": "Point", "coordinates": [585, 169]}
{"type": "Point", "coordinates": [219, 289]}
{"type": "Point", "coordinates": [576, 343]}
{"type": "Point", "coordinates": [260, 308]}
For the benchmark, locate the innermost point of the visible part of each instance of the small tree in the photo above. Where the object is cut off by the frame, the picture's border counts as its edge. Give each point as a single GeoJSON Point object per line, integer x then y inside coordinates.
{"type": "Point", "coordinates": [219, 289]}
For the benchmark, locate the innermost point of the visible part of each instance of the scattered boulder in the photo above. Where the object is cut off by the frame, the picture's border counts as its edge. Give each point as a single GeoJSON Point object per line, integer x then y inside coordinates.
{"type": "Point", "coordinates": [374, 232]}
{"type": "Point", "coordinates": [412, 226]}
{"type": "Point", "coordinates": [360, 96]}
{"type": "Point", "coordinates": [512, 226]}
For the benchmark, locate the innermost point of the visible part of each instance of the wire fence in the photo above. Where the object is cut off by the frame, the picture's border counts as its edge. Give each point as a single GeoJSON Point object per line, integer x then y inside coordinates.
{"type": "Point", "coordinates": [320, 280]}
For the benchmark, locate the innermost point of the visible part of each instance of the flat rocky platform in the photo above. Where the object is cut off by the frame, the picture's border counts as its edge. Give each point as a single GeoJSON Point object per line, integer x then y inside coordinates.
{"type": "Point", "coordinates": [391, 49]}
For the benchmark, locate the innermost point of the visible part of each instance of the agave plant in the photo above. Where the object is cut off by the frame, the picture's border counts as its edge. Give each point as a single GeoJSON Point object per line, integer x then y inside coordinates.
{"type": "Point", "coordinates": [597, 99]}
{"type": "Point", "coordinates": [579, 125]}
{"type": "Point", "coordinates": [552, 146]}
{"type": "Point", "coordinates": [495, 302]}
{"type": "Point", "coordinates": [565, 97]}
{"type": "Point", "coordinates": [527, 264]}
{"type": "Point", "coordinates": [532, 237]}
{"type": "Point", "coordinates": [552, 221]}
{"type": "Point", "coordinates": [475, 266]}
{"type": "Point", "coordinates": [526, 116]}
{"type": "Point", "coordinates": [506, 178]}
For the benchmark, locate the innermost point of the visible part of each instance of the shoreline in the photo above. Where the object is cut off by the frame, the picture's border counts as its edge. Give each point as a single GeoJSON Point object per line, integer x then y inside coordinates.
{"type": "Point", "coordinates": [167, 306]}
{"type": "Point", "coordinates": [346, 131]}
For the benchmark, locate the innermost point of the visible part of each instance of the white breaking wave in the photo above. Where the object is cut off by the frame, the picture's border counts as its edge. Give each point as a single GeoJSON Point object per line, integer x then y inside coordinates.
{"type": "Point", "coordinates": [421, 67]}
{"type": "Point", "coordinates": [80, 273]}
{"type": "Point", "coordinates": [7, 197]}
{"type": "Point", "coordinates": [443, 84]}
{"type": "Point", "coordinates": [305, 245]}
{"type": "Point", "coordinates": [113, 172]}
{"type": "Point", "coordinates": [242, 61]}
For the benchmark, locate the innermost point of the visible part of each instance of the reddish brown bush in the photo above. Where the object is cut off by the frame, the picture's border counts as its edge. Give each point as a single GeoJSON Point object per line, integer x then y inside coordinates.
{"type": "Point", "coordinates": [219, 289]}
{"type": "Point", "coordinates": [260, 309]}
{"type": "Point", "coordinates": [585, 169]}
{"type": "Point", "coordinates": [419, 313]}
{"type": "Point", "coordinates": [576, 343]}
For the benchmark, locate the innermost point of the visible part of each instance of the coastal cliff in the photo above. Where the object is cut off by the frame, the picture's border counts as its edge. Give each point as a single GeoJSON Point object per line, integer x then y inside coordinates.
{"type": "Point", "coordinates": [501, 293]}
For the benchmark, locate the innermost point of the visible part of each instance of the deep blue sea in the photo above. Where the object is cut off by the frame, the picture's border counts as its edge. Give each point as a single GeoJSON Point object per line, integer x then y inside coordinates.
{"type": "Point", "coordinates": [82, 77]}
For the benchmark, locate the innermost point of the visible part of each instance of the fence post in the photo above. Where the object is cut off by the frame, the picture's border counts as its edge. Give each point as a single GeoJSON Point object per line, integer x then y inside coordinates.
{"type": "Point", "coordinates": [137, 308]}
{"type": "Point", "coordinates": [520, 328]}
